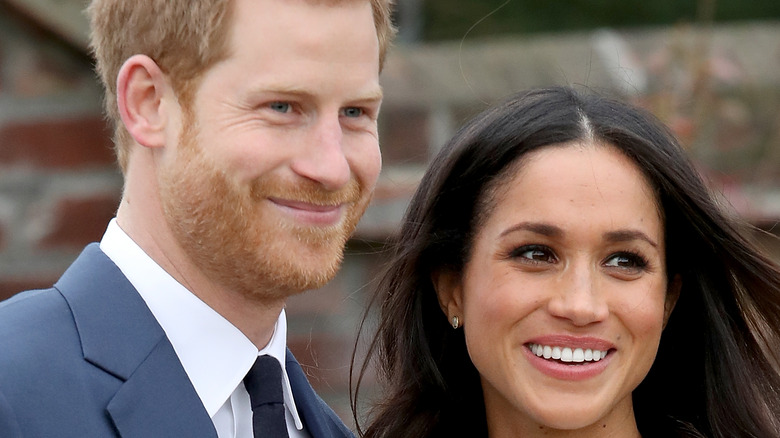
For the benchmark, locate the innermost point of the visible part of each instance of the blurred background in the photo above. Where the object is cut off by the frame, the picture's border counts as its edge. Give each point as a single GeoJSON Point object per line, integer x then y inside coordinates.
{"type": "Point", "coordinates": [708, 68]}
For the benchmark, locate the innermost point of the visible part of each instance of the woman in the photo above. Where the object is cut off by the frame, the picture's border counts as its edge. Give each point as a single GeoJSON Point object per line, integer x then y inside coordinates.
{"type": "Point", "coordinates": [563, 271]}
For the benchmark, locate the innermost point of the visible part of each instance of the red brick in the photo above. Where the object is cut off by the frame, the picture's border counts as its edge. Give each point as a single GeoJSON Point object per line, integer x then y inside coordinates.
{"type": "Point", "coordinates": [10, 287]}
{"type": "Point", "coordinates": [57, 144]}
{"type": "Point", "coordinates": [80, 221]}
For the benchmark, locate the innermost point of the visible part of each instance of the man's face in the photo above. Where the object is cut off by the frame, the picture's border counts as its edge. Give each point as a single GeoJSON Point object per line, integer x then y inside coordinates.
{"type": "Point", "coordinates": [278, 155]}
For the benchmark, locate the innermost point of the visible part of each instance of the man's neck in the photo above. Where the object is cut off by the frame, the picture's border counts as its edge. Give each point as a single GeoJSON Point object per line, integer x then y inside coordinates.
{"type": "Point", "coordinates": [252, 315]}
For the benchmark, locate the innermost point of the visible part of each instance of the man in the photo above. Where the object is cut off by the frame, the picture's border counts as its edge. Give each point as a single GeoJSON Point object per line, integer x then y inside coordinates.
{"type": "Point", "coordinates": [246, 133]}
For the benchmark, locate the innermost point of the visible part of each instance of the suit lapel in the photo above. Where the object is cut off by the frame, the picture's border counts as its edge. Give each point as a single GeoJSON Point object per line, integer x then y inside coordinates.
{"type": "Point", "coordinates": [157, 401]}
{"type": "Point", "coordinates": [120, 336]}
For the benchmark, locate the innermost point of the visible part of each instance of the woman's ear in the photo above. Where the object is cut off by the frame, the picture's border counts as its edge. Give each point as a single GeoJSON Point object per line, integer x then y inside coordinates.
{"type": "Point", "coordinates": [672, 295]}
{"type": "Point", "coordinates": [142, 92]}
{"type": "Point", "coordinates": [449, 290]}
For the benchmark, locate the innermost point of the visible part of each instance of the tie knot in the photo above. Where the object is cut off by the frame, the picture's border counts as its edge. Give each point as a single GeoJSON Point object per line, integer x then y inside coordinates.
{"type": "Point", "coordinates": [264, 382]}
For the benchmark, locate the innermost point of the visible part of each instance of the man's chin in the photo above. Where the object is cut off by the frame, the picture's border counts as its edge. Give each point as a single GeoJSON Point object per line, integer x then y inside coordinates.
{"type": "Point", "coordinates": [293, 283]}
{"type": "Point", "coordinates": [297, 268]}
{"type": "Point", "coordinates": [309, 278]}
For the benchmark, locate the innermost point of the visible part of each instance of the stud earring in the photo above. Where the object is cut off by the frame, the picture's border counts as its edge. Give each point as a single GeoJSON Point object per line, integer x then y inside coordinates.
{"type": "Point", "coordinates": [455, 322]}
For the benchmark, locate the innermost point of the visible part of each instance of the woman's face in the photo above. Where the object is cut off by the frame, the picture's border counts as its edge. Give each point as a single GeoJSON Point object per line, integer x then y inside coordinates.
{"type": "Point", "coordinates": [564, 296]}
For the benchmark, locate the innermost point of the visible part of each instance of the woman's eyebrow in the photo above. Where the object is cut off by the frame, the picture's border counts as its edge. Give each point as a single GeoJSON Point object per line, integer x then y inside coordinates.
{"type": "Point", "coordinates": [628, 235]}
{"type": "Point", "coordinates": [550, 230]}
{"type": "Point", "coordinates": [535, 227]}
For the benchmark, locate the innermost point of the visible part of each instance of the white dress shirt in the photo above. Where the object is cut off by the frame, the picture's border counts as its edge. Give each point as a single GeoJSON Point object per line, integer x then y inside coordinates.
{"type": "Point", "coordinates": [215, 354]}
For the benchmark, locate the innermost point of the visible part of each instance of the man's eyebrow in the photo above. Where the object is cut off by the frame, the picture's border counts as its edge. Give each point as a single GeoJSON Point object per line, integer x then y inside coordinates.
{"type": "Point", "coordinates": [371, 95]}
{"type": "Point", "coordinates": [371, 98]}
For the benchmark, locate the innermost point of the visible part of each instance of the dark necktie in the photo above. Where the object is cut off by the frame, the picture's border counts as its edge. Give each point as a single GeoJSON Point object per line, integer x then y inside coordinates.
{"type": "Point", "coordinates": [264, 385]}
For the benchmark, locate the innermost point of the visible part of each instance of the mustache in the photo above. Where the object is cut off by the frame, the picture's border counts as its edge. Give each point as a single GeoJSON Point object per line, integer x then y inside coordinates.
{"type": "Point", "coordinates": [305, 191]}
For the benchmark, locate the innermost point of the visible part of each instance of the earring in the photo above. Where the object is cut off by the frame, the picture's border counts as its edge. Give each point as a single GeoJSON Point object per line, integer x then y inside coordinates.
{"type": "Point", "coordinates": [455, 322]}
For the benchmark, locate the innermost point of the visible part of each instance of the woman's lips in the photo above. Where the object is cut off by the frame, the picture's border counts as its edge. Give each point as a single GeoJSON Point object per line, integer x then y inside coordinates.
{"type": "Point", "coordinates": [567, 354]}
{"type": "Point", "coordinates": [569, 358]}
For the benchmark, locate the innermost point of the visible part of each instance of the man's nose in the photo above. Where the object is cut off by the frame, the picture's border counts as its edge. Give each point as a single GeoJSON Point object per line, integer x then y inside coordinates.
{"type": "Point", "coordinates": [323, 159]}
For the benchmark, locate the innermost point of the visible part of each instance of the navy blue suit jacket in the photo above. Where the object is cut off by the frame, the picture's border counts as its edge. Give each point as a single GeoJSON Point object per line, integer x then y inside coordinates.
{"type": "Point", "coordinates": [86, 358]}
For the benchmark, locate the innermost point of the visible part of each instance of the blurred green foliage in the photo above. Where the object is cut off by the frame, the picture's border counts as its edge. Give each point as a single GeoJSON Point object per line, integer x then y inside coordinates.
{"type": "Point", "coordinates": [452, 19]}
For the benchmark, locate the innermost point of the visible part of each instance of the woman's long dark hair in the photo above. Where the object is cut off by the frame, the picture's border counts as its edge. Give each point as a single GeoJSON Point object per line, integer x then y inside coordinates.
{"type": "Point", "coordinates": [717, 372]}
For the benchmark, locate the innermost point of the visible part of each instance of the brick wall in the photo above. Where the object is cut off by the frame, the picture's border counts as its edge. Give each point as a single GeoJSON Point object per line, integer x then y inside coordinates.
{"type": "Point", "coordinates": [58, 183]}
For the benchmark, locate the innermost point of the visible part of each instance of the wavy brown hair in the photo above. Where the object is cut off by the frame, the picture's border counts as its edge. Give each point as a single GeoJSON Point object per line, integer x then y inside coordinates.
{"type": "Point", "coordinates": [717, 372]}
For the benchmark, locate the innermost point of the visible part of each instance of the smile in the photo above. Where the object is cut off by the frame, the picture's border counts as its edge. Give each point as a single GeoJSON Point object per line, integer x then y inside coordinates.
{"type": "Point", "coordinates": [567, 354]}
{"type": "Point", "coordinates": [307, 206]}
{"type": "Point", "coordinates": [310, 213]}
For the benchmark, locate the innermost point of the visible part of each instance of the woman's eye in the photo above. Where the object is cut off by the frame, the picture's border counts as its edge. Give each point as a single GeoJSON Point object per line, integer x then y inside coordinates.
{"type": "Point", "coordinates": [534, 253]}
{"type": "Point", "coordinates": [625, 260]}
{"type": "Point", "coordinates": [281, 107]}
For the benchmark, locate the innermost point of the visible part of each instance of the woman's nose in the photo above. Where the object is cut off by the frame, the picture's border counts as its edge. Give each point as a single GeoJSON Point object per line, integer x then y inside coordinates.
{"type": "Point", "coordinates": [578, 297]}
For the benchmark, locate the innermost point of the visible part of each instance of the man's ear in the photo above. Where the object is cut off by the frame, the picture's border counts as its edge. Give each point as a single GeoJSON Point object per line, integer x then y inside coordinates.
{"type": "Point", "coordinates": [449, 290]}
{"type": "Point", "coordinates": [672, 295]}
{"type": "Point", "coordinates": [142, 93]}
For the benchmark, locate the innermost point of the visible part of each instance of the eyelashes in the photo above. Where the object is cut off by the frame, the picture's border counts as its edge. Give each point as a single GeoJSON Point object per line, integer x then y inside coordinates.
{"type": "Point", "coordinates": [625, 261]}
{"type": "Point", "coordinates": [533, 253]}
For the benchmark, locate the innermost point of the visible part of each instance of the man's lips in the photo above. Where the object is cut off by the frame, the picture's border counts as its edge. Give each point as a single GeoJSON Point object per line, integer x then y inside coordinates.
{"type": "Point", "coordinates": [314, 214]}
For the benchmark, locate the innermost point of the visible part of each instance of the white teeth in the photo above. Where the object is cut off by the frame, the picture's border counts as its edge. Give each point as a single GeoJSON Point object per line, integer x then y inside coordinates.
{"type": "Point", "coordinates": [567, 354]}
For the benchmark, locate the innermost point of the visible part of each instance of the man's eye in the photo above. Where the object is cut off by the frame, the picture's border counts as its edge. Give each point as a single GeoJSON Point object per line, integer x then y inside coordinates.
{"type": "Point", "coordinates": [282, 107]}
{"type": "Point", "coordinates": [353, 112]}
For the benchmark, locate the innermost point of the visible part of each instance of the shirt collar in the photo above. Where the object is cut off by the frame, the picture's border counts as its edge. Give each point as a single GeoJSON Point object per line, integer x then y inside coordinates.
{"type": "Point", "coordinates": [215, 354]}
